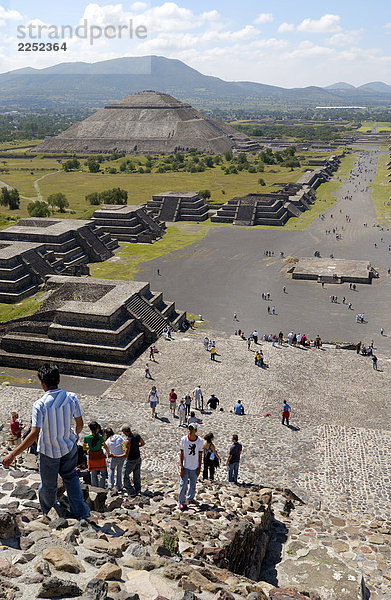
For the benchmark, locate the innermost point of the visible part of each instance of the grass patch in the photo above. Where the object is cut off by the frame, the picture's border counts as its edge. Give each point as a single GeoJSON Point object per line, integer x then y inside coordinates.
{"type": "Point", "coordinates": [381, 191]}
{"type": "Point", "coordinates": [26, 307]}
{"type": "Point", "coordinates": [367, 126]}
{"type": "Point", "coordinates": [128, 258]}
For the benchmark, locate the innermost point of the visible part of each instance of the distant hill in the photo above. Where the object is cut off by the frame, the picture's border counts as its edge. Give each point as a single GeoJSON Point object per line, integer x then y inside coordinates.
{"type": "Point", "coordinates": [95, 84]}
{"type": "Point", "coordinates": [341, 85]}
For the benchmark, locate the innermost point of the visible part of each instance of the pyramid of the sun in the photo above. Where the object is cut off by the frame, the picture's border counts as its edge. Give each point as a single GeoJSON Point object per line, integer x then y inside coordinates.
{"type": "Point", "coordinates": [148, 122]}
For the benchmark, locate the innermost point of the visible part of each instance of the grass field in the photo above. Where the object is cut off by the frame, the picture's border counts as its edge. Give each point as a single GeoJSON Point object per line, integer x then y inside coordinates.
{"type": "Point", "coordinates": [381, 191]}
{"type": "Point", "coordinates": [28, 306]}
{"type": "Point", "coordinates": [367, 126]}
{"type": "Point", "coordinates": [39, 177]}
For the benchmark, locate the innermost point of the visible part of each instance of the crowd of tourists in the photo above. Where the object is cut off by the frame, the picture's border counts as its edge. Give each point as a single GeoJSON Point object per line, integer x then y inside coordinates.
{"type": "Point", "coordinates": [103, 457]}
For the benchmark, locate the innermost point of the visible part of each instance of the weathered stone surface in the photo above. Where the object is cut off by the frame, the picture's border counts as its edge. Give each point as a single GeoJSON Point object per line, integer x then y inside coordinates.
{"type": "Point", "coordinates": [102, 547]}
{"type": "Point", "coordinates": [109, 571]}
{"type": "Point", "coordinates": [58, 588]}
{"type": "Point", "coordinates": [7, 569]}
{"type": "Point", "coordinates": [8, 525]}
{"type": "Point", "coordinates": [62, 560]}
{"type": "Point", "coordinates": [96, 589]}
{"type": "Point", "coordinates": [24, 492]}
{"type": "Point", "coordinates": [284, 594]}
{"type": "Point", "coordinates": [148, 585]}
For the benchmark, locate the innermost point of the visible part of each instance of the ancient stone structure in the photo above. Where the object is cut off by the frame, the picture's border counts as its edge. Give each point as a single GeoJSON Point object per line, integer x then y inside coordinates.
{"type": "Point", "coordinates": [35, 248]}
{"type": "Point", "coordinates": [93, 327]}
{"type": "Point", "coordinates": [277, 207]}
{"type": "Point", "coordinates": [178, 206]}
{"type": "Point", "coordinates": [262, 209]}
{"type": "Point", "coordinates": [148, 122]}
{"type": "Point", "coordinates": [23, 267]}
{"type": "Point", "coordinates": [333, 270]}
{"type": "Point", "coordinates": [128, 223]}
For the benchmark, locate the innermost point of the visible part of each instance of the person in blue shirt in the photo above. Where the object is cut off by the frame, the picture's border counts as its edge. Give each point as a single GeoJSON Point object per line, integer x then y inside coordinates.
{"type": "Point", "coordinates": [239, 408]}
{"type": "Point", "coordinates": [285, 413]}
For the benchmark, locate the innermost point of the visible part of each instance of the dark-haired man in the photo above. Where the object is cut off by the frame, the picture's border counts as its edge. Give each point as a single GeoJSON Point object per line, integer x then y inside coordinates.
{"type": "Point", "coordinates": [191, 448]}
{"type": "Point", "coordinates": [51, 424]}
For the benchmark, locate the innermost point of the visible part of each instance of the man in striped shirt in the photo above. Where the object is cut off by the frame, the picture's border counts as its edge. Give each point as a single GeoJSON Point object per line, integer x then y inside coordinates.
{"type": "Point", "coordinates": [52, 419]}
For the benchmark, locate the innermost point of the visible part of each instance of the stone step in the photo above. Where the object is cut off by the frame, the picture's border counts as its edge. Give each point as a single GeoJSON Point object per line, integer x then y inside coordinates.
{"type": "Point", "coordinates": [87, 368]}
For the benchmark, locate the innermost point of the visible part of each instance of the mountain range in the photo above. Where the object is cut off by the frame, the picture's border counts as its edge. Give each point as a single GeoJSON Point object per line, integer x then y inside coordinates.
{"type": "Point", "coordinates": [92, 85]}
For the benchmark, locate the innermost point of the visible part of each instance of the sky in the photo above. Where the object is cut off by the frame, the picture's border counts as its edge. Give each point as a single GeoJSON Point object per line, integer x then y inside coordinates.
{"type": "Point", "coordinates": [287, 43]}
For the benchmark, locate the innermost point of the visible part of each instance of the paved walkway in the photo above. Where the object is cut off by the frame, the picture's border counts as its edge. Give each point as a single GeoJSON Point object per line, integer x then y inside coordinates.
{"type": "Point", "coordinates": [227, 271]}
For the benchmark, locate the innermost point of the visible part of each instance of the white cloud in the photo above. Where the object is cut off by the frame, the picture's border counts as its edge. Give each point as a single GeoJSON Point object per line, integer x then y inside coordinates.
{"type": "Point", "coordinates": [326, 24]}
{"type": "Point", "coordinates": [8, 15]}
{"type": "Point", "coordinates": [264, 18]}
{"type": "Point", "coordinates": [387, 27]}
{"type": "Point", "coordinates": [272, 43]}
{"type": "Point", "coordinates": [347, 38]}
{"type": "Point", "coordinates": [139, 6]}
{"type": "Point", "coordinates": [286, 27]}
{"type": "Point", "coordinates": [308, 49]}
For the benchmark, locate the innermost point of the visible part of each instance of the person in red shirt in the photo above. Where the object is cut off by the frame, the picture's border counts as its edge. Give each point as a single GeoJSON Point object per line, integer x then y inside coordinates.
{"type": "Point", "coordinates": [16, 428]}
{"type": "Point", "coordinates": [173, 398]}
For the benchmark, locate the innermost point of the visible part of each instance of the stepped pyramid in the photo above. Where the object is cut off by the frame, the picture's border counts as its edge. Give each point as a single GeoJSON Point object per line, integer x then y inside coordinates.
{"type": "Point", "coordinates": [148, 122]}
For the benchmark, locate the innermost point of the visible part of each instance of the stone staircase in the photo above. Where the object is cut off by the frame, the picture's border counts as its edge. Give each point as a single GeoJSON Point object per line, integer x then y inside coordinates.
{"type": "Point", "coordinates": [245, 214]}
{"type": "Point", "coordinates": [92, 245]}
{"type": "Point", "coordinates": [148, 314]}
{"type": "Point", "coordinates": [169, 209]}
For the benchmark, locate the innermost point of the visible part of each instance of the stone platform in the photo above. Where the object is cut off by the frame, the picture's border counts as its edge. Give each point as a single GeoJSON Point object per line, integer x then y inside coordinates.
{"type": "Point", "coordinates": [36, 248]}
{"type": "Point", "coordinates": [178, 206]}
{"type": "Point", "coordinates": [93, 327]}
{"type": "Point", "coordinates": [334, 270]}
{"type": "Point", "coordinates": [128, 224]}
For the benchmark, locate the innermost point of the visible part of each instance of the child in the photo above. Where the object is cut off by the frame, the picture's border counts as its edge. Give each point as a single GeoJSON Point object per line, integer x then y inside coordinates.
{"type": "Point", "coordinates": [182, 413]}
{"type": "Point", "coordinates": [16, 429]}
{"type": "Point", "coordinates": [285, 413]}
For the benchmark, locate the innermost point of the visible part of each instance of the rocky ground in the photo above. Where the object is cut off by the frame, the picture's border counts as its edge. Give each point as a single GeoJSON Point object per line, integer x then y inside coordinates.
{"type": "Point", "coordinates": [336, 457]}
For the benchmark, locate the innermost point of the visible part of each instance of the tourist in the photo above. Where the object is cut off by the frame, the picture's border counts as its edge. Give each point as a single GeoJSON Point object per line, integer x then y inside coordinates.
{"type": "Point", "coordinates": [153, 399]}
{"type": "Point", "coordinates": [273, 310]}
{"type": "Point", "coordinates": [182, 413]}
{"type": "Point", "coordinates": [147, 372]}
{"type": "Point", "coordinates": [255, 336]}
{"type": "Point", "coordinates": [51, 425]}
{"type": "Point", "coordinates": [16, 429]}
{"type": "Point", "coordinates": [213, 352]}
{"type": "Point", "coordinates": [193, 419]}
{"type": "Point", "coordinates": [198, 398]}
{"type": "Point", "coordinates": [211, 458]}
{"type": "Point", "coordinates": [280, 338]}
{"type": "Point", "coordinates": [233, 459]}
{"type": "Point", "coordinates": [285, 413]}
{"type": "Point", "coordinates": [257, 358]}
{"type": "Point", "coordinates": [290, 338]}
{"type": "Point", "coordinates": [206, 343]}
{"type": "Point", "coordinates": [213, 402]}
{"type": "Point", "coordinates": [115, 444]}
{"type": "Point", "coordinates": [249, 343]}
{"type": "Point", "coordinates": [239, 408]}
{"type": "Point", "coordinates": [187, 400]}
{"type": "Point", "coordinates": [374, 361]}
{"type": "Point", "coordinates": [381, 331]}
{"type": "Point", "coordinates": [172, 399]}
{"type": "Point", "coordinates": [235, 318]}
{"type": "Point", "coordinates": [191, 448]}
{"type": "Point", "coordinates": [94, 444]}
{"type": "Point", "coordinates": [132, 457]}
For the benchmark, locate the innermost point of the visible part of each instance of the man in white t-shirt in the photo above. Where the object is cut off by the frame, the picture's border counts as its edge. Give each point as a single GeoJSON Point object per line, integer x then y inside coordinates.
{"type": "Point", "coordinates": [191, 459]}
{"type": "Point", "coordinates": [198, 398]}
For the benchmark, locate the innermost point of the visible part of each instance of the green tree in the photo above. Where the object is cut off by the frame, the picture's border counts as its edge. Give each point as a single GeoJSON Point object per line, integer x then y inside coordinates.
{"type": "Point", "coordinates": [14, 199]}
{"type": "Point", "coordinates": [93, 198]}
{"type": "Point", "coordinates": [93, 164]}
{"type": "Point", "coordinates": [10, 198]}
{"type": "Point", "coordinates": [59, 200]}
{"type": "Point", "coordinates": [261, 181]}
{"type": "Point", "coordinates": [38, 209]}
{"type": "Point", "coordinates": [206, 194]}
{"type": "Point", "coordinates": [71, 164]}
